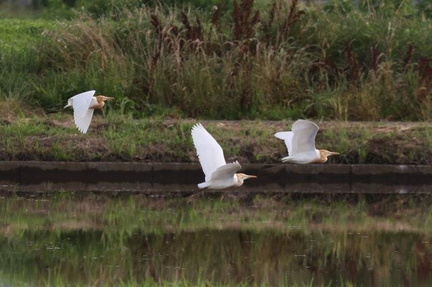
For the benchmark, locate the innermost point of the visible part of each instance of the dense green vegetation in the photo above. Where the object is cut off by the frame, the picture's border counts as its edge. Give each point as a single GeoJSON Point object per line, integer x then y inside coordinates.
{"type": "Point", "coordinates": [249, 59]}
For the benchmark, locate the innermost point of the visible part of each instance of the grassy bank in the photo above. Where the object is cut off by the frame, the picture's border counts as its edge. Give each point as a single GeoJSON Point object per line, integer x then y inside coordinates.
{"type": "Point", "coordinates": [266, 60]}
{"type": "Point", "coordinates": [30, 134]}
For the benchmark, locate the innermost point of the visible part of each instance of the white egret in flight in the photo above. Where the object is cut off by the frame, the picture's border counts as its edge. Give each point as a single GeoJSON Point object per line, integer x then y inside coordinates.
{"type": "Point", "coordinates": [84, 105]}
{"type": "Point", "coordinates": [218, 174]}
{"type": "Point", "coordinates": [300, 143]}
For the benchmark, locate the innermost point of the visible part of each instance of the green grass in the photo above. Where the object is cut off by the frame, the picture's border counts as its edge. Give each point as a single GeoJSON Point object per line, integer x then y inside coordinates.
{"type": "Point", "coordinates": [291, 61]}
{"type": "Point", "coordinates": [29, 134]}
{"type": "Point", "coordinates": [17, 34]}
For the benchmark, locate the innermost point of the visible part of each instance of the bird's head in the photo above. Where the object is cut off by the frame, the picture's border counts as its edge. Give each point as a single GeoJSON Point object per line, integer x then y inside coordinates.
{"type": "Point", "coordinates": [102, 98]}
{"type": "Point", "coordinates": [325, 154]}
{"type": "Point", "coordinates": [242, 177]}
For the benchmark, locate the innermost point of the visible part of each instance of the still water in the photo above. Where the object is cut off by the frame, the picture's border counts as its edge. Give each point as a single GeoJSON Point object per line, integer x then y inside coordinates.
{"type": "Point", "coordinates": [135, 242]}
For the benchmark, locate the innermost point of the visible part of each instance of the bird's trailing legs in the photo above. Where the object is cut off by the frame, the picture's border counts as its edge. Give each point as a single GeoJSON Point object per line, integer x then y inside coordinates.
{"type": "Point", "coordinates": [195, 194]}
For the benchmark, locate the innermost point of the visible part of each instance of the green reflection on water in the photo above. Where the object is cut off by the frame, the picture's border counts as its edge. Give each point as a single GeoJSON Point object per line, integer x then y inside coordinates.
{"type": "Point", "coordinates": [136, 241]}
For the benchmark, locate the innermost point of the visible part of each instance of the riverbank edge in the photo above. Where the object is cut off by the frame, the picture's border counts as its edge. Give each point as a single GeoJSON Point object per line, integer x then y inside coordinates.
{"type": "Point", "coordinates": [178, 179]}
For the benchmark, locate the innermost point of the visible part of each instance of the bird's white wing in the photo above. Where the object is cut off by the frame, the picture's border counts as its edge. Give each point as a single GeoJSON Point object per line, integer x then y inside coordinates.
{"type": "Point", "coordinates": [82, 113]}
{"type": "Point", "coordinates": [210, 153]}
{"type": "Point", "coordinates": [83, 122]}
{"type": "Point", "coordinates": [304, 136]}
{"type": "Point", "coordinates": [226, 171]}
{"type": "Point", "coordinates": [287, 137]}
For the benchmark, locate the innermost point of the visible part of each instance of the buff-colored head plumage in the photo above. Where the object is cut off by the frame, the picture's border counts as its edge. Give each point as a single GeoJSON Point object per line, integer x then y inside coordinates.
{"type": "Point", "coordinates": [242, 177]}
{"type": "Point", "coordinates": [101, 98]}
{"type": "Point", "coordinates": [324, 154]}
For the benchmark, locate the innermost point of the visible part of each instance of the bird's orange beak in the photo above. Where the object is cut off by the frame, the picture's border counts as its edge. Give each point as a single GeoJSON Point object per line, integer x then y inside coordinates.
{"type": "Point", "coordinates": [333, 153]}
{"type": "Point", "coordinates": [251, 176]}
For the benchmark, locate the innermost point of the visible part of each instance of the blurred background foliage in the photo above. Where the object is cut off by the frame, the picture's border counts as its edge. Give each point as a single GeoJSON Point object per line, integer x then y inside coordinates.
{"type": "Point", "coordinates": [262, 59]}
{"type": "Point", "coordinates": [107, 7]}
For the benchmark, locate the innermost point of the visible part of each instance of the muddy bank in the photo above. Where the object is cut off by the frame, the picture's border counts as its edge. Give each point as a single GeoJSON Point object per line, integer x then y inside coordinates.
{"type": "Point", "coordinates": [164, 179]}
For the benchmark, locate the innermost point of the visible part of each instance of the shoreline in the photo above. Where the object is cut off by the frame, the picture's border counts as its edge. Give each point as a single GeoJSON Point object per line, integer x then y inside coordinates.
{"type": "Point", "coordinates": [180, 179]}
{"type": "Point", "coordinates": [116, 139]}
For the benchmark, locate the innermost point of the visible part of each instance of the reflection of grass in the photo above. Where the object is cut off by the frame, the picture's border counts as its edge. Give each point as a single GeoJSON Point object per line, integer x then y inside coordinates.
{"type": "Point", "coordinates": [158, 216]}
{"type": "Point", "coordinates": [136, 241]}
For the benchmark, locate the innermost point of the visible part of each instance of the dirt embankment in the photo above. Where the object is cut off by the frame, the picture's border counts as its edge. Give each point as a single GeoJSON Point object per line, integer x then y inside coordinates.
{"type": "Point", "coordinates": [33, 135]}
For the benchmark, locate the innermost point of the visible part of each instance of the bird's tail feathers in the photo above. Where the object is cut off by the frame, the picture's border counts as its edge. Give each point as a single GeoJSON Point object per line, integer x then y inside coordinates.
{"type": "Point", "coordinates": [69, 104]}
{"type": "Point", "coordinates": [286, 159]}
{"type": "Point", "coordinates": [204, 184]}
{"type": "Point", "coordinates": [283, 135]}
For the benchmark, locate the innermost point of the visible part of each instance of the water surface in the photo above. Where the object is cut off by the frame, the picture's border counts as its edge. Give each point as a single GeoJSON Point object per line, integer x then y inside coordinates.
{"type": "Point", "coordinates": [135, 241]}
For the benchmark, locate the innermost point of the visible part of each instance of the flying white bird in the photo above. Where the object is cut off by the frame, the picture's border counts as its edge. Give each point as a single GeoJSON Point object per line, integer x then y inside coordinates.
{"type": "Point", "coordinates": [84, 105]}
{"type": "Point", "coordinates": [300, 143]}
{"type": "Point", "coordinates": [218, 174]}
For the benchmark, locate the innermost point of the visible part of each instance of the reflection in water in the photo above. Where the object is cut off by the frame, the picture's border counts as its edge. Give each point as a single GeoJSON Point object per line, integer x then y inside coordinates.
{"type": "Point", "coordinates": [94, 241]}
{"type": "Point", "coordinates": [218, 256]}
